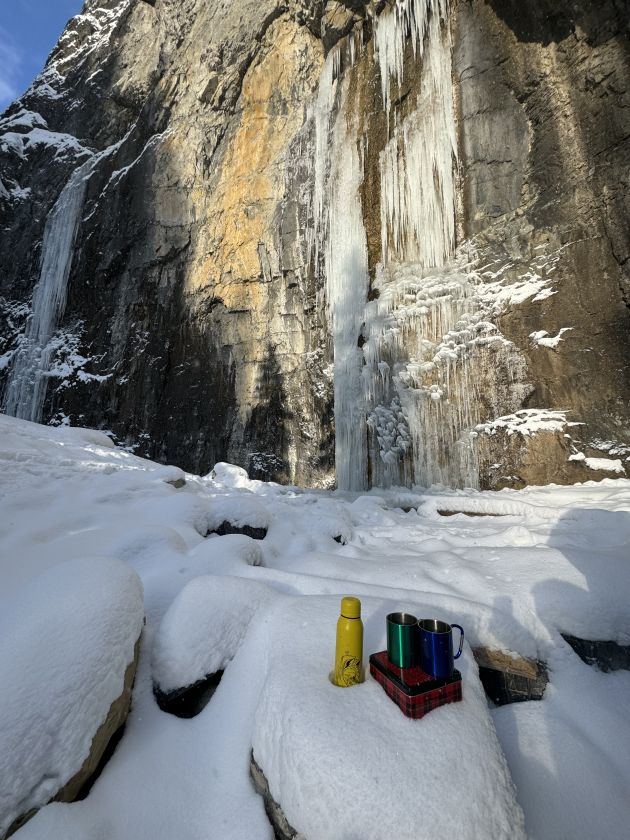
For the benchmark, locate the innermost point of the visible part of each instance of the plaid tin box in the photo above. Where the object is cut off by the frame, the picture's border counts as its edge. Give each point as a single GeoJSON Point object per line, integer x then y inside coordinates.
{"type": "Point", "coordinates": [413, 691]}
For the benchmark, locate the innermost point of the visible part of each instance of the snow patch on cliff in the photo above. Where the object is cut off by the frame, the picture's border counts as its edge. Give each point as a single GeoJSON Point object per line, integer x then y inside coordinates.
{"type": "Point", "coordinates": [86, 33]}
{"type": "Point", "coordinates": [528, 421]}
{"type": "Point", "coordinates": [542, 338]}
{"type": "Point", "coordinates": [65, 145]}
{"type": "Point", "coordinates": [601, 464]}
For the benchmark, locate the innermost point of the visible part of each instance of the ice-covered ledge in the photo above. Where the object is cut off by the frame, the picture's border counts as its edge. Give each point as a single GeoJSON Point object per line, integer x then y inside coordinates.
{"type": "Point", "coordinates": [347, 763]}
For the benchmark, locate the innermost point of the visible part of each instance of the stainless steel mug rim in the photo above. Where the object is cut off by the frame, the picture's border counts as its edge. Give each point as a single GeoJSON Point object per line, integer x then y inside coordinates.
{"type": "Point", "coordinates": [434, 625]}
{"type": "Point", "coordinates": [402, 618]}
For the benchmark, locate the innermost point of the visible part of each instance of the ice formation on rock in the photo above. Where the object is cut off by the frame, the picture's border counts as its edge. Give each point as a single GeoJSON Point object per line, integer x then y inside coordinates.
{"type": "Point", "coordinates": [417, 368]}
{"type": "Point", "coordinates": [27, 381]}
{"type": "Point", "coordinates": [447, 365]}
{"type": "Point", "coordinates": [31, 366]}
{"type": "Point", "coordinates": [416, 165]}
{"type": "Point", "coordinates": [390, 33]}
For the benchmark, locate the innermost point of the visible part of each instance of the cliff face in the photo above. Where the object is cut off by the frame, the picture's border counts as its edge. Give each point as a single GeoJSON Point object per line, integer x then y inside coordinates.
{"type": "Point", "coordinates": [544, 96]}
{"type": "Point", "coordinates": [299, 233]}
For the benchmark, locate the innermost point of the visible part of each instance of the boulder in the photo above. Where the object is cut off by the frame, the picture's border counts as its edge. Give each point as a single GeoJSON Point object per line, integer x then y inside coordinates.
{"type": "Point", "coordinates": [199, 636]}
{"type": "Point", "coordinates": [69, 647]}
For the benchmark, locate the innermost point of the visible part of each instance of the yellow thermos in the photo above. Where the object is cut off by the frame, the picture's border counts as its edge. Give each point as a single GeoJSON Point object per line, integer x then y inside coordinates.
{"type": "Point", "coordinates": [349, 650]}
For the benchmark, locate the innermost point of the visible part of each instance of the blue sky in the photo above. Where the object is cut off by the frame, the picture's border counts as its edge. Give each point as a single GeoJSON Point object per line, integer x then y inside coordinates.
{"type": "Point", "coordinates": [29, 30]}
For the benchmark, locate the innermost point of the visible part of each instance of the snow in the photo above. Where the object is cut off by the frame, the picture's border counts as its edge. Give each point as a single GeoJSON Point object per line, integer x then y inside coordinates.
{"type": "Point", "coordinates": [548, 560]}
{"type": "Point", "coordinates": [23, 119]}
{"type": "Point", "coordinates": [119, 174]}
{"type": "Point", "coordinates": [20, 194]}
{"type": "Point", "coordinates": [65, 145]}
{"type": "Point", "coordinates": [242, 511]}
{"type": "Point", "coordinates": [379, 773]}
{"type": "Point", "coordinates": [86, 33]}
{"type": "Point", "coordinates": [526, 422]}
{"type": "Point", "coordinates": [66, 640]}
{"type": "Point", "coordinates": [204, 627]}
{"type": "Point", "coordinates": [543, 339]}
{"type": "Point", "coordinates": [605, 464]}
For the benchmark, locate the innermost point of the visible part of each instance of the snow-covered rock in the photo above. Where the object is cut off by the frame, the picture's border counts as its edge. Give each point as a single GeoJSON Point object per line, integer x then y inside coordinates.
{"type": "Point", "coordinates": [239, 512]}
{"type": "Point", "coordinates": [347, 763]}
{"type": "Point", "coordinates": [225, 555]}
{"type": "Point", "coordinates": [204, 627]}
{"type": "Point", "coordinates": [66, 642]}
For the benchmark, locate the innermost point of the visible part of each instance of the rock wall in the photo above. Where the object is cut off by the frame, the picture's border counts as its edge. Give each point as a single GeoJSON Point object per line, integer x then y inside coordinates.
{"type": "Point", "coordinates": [197, 325]}
{"type": "Point", "coordinates": [544, 98]}
{"type": "Point", "coordinates": [191, 328]}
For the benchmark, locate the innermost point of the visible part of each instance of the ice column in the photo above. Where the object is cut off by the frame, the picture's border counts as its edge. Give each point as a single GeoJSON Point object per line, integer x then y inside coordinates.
{"type": "Point", "coordinates": [28, 376]}
{"type": "Point", "coordinates": [347, 287]}
{"type": "Point", "coordinates": [324, 108]}
{"type": "Point", "coordinates": [339, 238]}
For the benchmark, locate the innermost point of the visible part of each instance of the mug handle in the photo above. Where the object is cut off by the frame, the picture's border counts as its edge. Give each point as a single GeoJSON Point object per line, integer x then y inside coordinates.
{"type": "Point", "coordinates": [461, 640]}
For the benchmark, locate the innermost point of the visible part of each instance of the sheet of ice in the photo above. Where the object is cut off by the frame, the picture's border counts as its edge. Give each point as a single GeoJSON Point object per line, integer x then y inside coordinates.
{"type": "Point", "coordinates": [65, 642]}
{"type": "Point", "coordinates": [339, 232]}
{"type": "Point", "coordinates": [29, 373]}
{"type": "Point", "coordinates": [348, 763]}
{"type": "Point", "coordinates": [204, 627]}
{"type": "Point", "coordinates": [27, 379]}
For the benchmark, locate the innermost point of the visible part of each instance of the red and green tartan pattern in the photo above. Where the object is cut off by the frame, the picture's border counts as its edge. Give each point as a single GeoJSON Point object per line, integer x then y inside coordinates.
{"type": "Point", "coordinates": [417, 693]}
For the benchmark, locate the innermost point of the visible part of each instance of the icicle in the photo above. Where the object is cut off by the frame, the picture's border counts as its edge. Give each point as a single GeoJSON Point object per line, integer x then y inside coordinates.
{"type": "Point", "coordinates": [323, 110]}
{"type": "Point", "coordinates": [407, 18]}
{"type": "Point", "coordinates": [416, 166]}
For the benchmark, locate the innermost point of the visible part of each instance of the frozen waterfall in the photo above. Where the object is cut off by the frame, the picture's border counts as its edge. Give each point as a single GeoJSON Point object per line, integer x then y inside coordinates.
{"type": "Point", "coordinates": [28, 375]}
{"type": "Point", "coordinates": [420, 364]}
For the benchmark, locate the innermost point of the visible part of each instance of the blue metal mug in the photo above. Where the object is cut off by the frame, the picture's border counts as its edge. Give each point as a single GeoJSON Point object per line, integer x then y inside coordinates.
{"type": "Point", "coordinates": [436, 647]}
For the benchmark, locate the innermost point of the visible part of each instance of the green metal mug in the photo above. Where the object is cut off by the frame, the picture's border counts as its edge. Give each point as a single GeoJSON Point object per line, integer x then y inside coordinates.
{"type": "Point", "coordinates": [402, 639]}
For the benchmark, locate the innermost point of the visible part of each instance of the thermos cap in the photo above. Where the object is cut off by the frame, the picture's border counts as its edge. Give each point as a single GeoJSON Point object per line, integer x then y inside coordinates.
{"type": "Point", "coordinates": [350, 607]}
